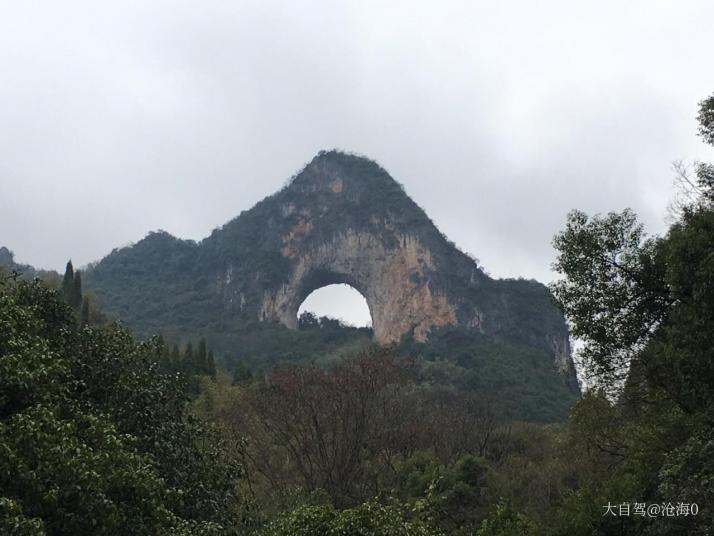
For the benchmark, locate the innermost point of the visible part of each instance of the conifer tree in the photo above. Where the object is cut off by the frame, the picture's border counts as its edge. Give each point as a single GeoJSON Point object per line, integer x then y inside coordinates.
{"type": "Point", "coordinates": [241, 374]}
{"type": "Point", "coordinates": [175, 357]}
{"type": "Point", "coordinates": [84, 314]}
{"type": "Point", "coordinates": [189, 363]}
{"type": "Point", "coordinates": [201, 358]}
{"type": "Point", "coordinates": [68, 282]}
{"type": "Point", "coordinates": [163, 354]}
{"type": "Point", "coordinates": [211, 365]}
{"type": "Point", "coordinates": [76, 299]}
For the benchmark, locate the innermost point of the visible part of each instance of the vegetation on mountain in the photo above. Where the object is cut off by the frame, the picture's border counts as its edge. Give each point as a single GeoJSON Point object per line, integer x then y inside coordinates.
{"type": "Point", "coordinates": [212, 289]}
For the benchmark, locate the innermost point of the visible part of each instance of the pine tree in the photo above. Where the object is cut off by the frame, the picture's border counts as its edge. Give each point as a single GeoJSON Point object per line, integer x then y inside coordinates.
{"type": "Point", "coordinates": [189, 363]}
{"type": "Point", "coordinates": [68, 282]}
{"type": "Point", "coordinates": [202, 358]}
{"type": "Point", "coordinates": [160, 344]}
{"type": "Point", "coordinates": [76, 299]}
{"type": "Point", "coordinates": [163, 354]}
{"type": "Point", "coordinates": [211, 365]}
{"type": "Point", "coordinates": [175, 358]}
{"type": "Point", "coordinates": [84, 315]}
{"type": "Point", "coordinates": [241, 374]}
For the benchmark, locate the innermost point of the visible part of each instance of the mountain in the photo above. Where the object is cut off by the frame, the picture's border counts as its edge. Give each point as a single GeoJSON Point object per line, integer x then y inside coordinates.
{"type": "Point", "coordinates": [7, 263]}
{"type": "Point", "coordinates": [342, 219]}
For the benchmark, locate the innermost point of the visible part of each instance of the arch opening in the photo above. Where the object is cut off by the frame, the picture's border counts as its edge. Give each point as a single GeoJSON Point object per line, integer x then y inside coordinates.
{"type": "Point", "coordinates": [338, 301]}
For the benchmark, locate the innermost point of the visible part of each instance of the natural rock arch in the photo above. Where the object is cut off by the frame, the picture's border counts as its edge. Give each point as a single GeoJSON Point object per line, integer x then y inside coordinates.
{"type": "Point", "coordinates": [393, 280]}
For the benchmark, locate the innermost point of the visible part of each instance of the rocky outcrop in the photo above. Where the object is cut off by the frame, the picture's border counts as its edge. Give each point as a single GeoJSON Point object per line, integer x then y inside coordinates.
{"type": "Point", "coordinates": [394, 281]}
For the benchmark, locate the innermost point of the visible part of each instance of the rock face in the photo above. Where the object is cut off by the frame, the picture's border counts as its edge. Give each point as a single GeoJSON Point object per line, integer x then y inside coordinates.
{"type": "Point", "coordinates": [394, 281]}
{"type": "Point", "coordinates": [342, 219]}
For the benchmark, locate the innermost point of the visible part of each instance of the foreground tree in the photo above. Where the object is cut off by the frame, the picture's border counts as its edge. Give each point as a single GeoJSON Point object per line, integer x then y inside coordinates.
{"type": "Point", "coordinates": [614, 292]}
{"type": "Point", "coordinates": [325, 421]}
{"type": "Point", "coordinates": [644, 308]}
{"type": "Point", "coordinates": [94, 439]}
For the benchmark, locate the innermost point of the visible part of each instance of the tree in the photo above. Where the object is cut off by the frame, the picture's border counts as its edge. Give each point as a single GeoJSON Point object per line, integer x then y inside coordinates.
{"type": "Point", "coordinates": [84, 314]}
{"type": "Point", "coordinates": [163, 354]}
{"type": "Point", "coordinates": [504, 521]}
{"type": "Point", "coordinates": [189, 360]}
{"type": "Point", "coordinates": [76, 301]}
{"type": "Point", "coordinates": [308, 320]}
{"type": "Point", "coordinates": [201, 366]}
{"type": "Point", "coordinates": [175, 357]}
{"type": "Point", "coordinates": [645, 309]}
{"type": "Point", "coordinates": [95, 440]}
{"type": "Point", "coordinates": [706, 119]}
{"type": "Point", "coordinates": [326, 422]}
{"type": "Point", "coordinates": [369, 518]}
{"type": "Point", "coordinates": [68, 283]}
{"type": "Point", "coordinates": [211, 365]}
{"type": "Point", "coordinates": [613, 292]}
{"type": "Point", "coordinates": [695, 184]}
{"type": "Point", "coordinates": [14, 521]}
{"type": "Point", "coordinates": [241, 374]}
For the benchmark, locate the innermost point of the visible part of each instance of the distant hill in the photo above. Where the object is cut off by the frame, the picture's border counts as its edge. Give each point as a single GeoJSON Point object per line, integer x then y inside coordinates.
{"type": "Point", "coordinates": [7, 263]}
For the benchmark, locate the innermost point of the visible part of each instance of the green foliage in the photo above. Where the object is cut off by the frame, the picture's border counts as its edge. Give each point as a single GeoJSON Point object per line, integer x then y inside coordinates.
{"type": "Point", "coordinates": [31, 371]}
{"type": "Point", "coordinates": [15, 523]}
{"type": "Point", "coordinates": [241, 374]}
{"type": "Point", "coordinates": [505, 522]}
{"type": "Point", "coordinates": [68, 282]}
{"type": "Point", "coordinates": [211, 365]}
{"type": "Point", "coordinates": [190, 364]}
{"type": "Point", "coordinates": [519, 377]}
{"type": "Point", "coordinates": [188, 359]}
{"type": "Point", "coordinates": [367, 519]}
{"type": "Point", "coordinates": [706, 120]}
{"type": "Point", "coordinates": [646, 304]}
{"type": "Point", "coordinates": [682, 355]}
{"type": "Point", "coordinates": [452, 496]}
{"type": "Point", "coordinates": [202, 357]}
{"type": "Point", "coordinates": [263, 345]}
{"type": "Point", "coordinates": [613, 292]}
{"type": "Point", "coordinates": [94, 439]}
{"type": "Point", "coordinates": [72, 286]}
{"type": "Point", "coordinates": [80, 475]}
{"type": "Point", "coordinates": [152, 287]}
{"type": "Point", "coordinates": [76, 296]}
{"type": "Point", "coordinates": [84, 313]}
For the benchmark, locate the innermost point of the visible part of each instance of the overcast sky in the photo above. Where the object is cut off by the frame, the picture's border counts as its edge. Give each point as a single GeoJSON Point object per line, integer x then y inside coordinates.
{"type": "Point", "coordinates": [117, 118]}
